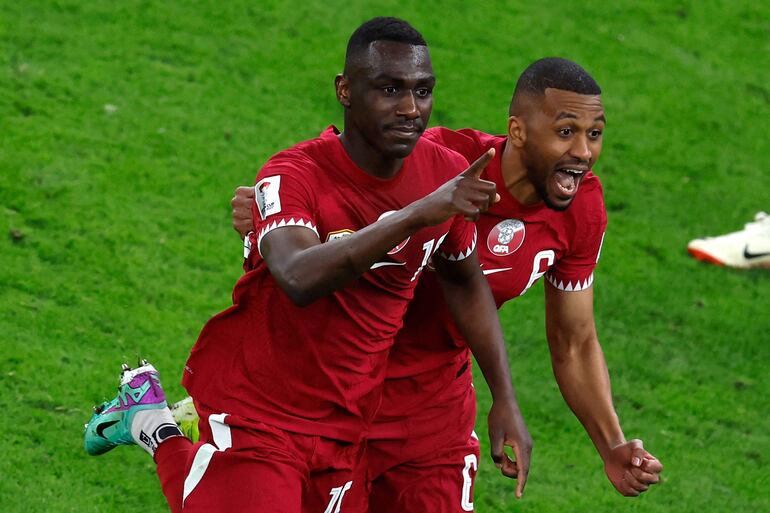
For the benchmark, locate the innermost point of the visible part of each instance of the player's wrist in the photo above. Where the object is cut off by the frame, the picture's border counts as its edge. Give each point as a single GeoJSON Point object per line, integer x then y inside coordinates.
{"type": "Point", "coordinates": [503, 393]}
{"type": "Point", "coordinates": [608, 442]}
{"type": "Point", "coordinates": [416, 215]}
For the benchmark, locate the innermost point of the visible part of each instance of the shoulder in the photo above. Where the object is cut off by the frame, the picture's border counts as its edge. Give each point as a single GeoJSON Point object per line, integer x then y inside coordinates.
{"type": "Point", "coordinates": [586, 219]}
{"type": "Point", "coordinates": [303, 160]}
{"type": "Point", "coordinates": [439, 156]}
{"type": "Point", "coordinates": [588, 206]}
{"type": "Point", "coordinates": [468, 142]}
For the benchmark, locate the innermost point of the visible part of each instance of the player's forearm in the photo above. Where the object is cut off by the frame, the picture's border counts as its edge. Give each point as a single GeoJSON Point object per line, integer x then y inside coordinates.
{"type": "Point", "coordinates": [320, 269]}
{"type": "Point", "coordinates": [473, 308]}
{"type": "Point", "coordinates": [581, 372]}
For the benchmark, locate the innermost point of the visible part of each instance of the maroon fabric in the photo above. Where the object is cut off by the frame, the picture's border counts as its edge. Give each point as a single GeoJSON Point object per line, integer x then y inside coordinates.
{"type": "Point", "coordinates": [266, 469]}
{"type": "Point", "coordinates": [319, 369]}
{"type": "Point", "coordinates": [171, 460]}
{"type": "Point", "coordinates": [562, 246]}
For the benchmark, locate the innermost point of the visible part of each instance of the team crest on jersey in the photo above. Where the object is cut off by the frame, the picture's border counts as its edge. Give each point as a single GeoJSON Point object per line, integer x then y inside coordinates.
{"type": "Point", "coordinates": [266, 196]}
{"type": "Point", "coordinates": [338, 234]}
{"type": "Point", "coordinates": [401, 244]}
{"type": "Point", "coordinates": [506, 237]}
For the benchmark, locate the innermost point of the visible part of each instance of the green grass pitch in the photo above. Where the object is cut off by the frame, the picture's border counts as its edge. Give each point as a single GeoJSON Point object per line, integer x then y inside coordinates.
{"type": "Point", "coordinates": [126, 125]}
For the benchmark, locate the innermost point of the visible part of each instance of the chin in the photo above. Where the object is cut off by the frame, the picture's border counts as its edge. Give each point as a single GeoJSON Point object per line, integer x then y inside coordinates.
{"type": "Point", "coordinates": [399, 151]}
{"type": "Point", "coordinates": [557, 205]}
{"type": "Point", "coordinates": [550, 200]}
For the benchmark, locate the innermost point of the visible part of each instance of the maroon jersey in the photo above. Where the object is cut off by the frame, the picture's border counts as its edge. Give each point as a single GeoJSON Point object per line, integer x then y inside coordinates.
{"type": "Point", "coordinates": [319, 369]}
{"type": "Point", "coordinates": [517, 245]}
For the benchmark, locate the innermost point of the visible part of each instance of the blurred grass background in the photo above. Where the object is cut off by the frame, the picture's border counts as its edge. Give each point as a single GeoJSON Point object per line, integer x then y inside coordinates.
{"type": "Point", "coordinates": [126, 126]}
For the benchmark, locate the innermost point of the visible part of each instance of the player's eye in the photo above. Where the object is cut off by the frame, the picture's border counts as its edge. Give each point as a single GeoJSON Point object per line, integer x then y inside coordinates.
{"type": "Point", "coordinates": [390, 90]}
{"type": "Point", "coordinates": [565, 132]}
{"type": "Point", "coordinates": [424, 92]}
{"type": "Point", "coordinates": [595, 133]}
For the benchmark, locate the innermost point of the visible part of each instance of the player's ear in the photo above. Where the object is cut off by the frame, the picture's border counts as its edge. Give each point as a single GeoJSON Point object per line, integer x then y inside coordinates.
{"type": "Point", "coordinates": [342, 88]}
{"type": "Point", "coordinates": [517, 131]}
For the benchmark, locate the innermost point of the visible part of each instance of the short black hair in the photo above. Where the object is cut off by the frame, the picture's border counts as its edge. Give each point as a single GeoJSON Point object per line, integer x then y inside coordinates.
{"type": "Point", "coordinates": [383, 28]}
{"type": "Point", "coordinates": [555, 73]}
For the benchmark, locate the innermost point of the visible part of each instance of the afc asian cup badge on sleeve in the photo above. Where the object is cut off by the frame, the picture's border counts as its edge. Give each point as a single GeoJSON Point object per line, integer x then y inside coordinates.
{"type": "Point", "coordinates": [506, 237]}
{"type": "Point", "coordinates": [266, 195]}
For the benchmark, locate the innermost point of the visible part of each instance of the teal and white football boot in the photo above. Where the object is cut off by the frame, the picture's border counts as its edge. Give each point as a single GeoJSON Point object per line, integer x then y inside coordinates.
{"type": "Point", "coordinates": [138, 415]}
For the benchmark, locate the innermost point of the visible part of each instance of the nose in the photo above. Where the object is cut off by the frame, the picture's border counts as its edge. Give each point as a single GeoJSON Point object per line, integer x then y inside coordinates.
{"type": "Point", "coordinates": [407, 106]}
{"type": "Point", "coordinates": [580, 149]}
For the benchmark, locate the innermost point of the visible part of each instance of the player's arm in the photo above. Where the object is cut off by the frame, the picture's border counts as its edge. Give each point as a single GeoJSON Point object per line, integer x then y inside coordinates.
{"type": "Point", "coordinates": [473, 309]}
{"type": "Point", "coordinates": [307, 270]}
{"type": "Point", "coordinates": [581, 372]}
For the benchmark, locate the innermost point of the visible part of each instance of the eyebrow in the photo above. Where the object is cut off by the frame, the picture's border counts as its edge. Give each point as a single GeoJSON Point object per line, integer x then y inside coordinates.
{"type": "Point", "coordinates": [569, 115]}
{"type": "Point", "coordinates": [388, 77]}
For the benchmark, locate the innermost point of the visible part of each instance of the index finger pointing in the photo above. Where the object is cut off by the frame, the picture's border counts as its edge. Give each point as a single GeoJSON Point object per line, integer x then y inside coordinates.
{"type": "Point", "coordinates": [475, 169]}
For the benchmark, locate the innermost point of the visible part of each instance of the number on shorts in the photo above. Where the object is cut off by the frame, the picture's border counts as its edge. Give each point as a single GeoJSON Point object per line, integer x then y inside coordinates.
{"type": "Point", "coordinates": [470, 462]}
{"type": "Point", "coordinates": [337, 493]}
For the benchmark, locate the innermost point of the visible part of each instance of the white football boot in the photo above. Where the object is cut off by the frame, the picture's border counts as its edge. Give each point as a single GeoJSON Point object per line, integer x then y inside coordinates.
{"type": "Point", "coordinates": [745, 249]}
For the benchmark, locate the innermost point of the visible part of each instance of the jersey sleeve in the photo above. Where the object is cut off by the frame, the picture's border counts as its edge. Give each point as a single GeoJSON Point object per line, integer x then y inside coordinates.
{"type": "Point", "coordinates": [283, 197]}
{"type": "Point", "coordinates": [575, 271]}
{"type": "Point", "coordinates": [465, 142]}
{"type": "Point", "coordinates": [460, 242]}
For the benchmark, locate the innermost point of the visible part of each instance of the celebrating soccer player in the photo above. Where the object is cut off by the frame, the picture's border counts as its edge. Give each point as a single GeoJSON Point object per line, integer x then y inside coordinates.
{"type": "Point", "coordinates": [287, 380]}
{"type": "Point", "coordinates": [550, 221]}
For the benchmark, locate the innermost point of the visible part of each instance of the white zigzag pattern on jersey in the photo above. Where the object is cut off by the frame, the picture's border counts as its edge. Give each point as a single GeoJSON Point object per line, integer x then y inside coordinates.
{"type": "Point", "coordinates": [462, 255]}
{"type": "Point", "coordinates": [569, 286]}
{"type": "Point", "coordinates": [285, 222]}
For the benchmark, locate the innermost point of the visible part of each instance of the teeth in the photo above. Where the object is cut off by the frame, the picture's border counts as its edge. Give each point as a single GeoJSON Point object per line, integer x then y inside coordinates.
{"type": "Point", "coordinates": [575, 172]}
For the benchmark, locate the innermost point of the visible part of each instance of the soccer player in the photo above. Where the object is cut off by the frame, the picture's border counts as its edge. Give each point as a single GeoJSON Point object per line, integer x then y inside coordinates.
{"type": "Point", "coordinates": [288, 379]}
{"type": "Point", "coordinates": [550, 221]}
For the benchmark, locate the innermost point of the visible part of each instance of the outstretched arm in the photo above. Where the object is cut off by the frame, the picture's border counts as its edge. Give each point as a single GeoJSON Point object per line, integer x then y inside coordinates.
{"type": "Point", "coordinates": [473, 308]}
{"type": "Point", "coordinates": [307, 270]}
{"type": "Point", "coordinates": [581, 372]}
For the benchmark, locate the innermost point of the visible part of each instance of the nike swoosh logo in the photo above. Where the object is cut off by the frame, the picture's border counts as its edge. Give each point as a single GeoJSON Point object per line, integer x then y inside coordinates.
{"type": "Point", "coordinates": [748, 256]}
{"type": "Point", "coordinates": [101, 427]}
{"type": "Point", "coordinates": [493, 271]}
{"type": "Point", "coordinates": [383, 264]}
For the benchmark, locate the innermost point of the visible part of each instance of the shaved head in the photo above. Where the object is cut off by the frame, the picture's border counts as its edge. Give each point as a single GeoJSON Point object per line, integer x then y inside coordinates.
{"type": "Point", "coordinates": [551, 73]}
{"type": "Point", "coordinates": [379, 29]}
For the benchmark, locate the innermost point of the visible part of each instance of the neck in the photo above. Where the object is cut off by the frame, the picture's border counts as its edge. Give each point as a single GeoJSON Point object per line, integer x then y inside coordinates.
{"type": "Point", "coordinates": [514, 172]}
{"type": "Point", "coordinates": [368, 158]}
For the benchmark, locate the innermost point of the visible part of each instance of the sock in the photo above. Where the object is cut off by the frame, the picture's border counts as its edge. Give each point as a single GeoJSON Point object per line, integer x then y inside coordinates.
{"type": "Point", "coordinates": [149, 428]}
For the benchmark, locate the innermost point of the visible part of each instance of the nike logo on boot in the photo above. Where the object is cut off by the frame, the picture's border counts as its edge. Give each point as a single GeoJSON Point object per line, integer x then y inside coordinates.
{"type": "Point", "coordinates": [749, 256]}
{"type": "Point", "coordinates": [101, 427]}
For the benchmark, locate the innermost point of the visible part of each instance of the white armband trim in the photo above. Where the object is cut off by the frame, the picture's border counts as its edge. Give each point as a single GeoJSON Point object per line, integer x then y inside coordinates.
{"type": "Point", "coordinates": [280, 224]}
{"type": "Point", "coordinates": [463, 254]}
{"type": "Point", "coordinates": [569, 286]}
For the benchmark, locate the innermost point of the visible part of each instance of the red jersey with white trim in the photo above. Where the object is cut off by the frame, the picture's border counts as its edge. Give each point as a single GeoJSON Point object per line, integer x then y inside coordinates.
{"type": "Point", "coordinates": [517, 245]}
{"type": "Point", "coordinates": [319, 369]}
